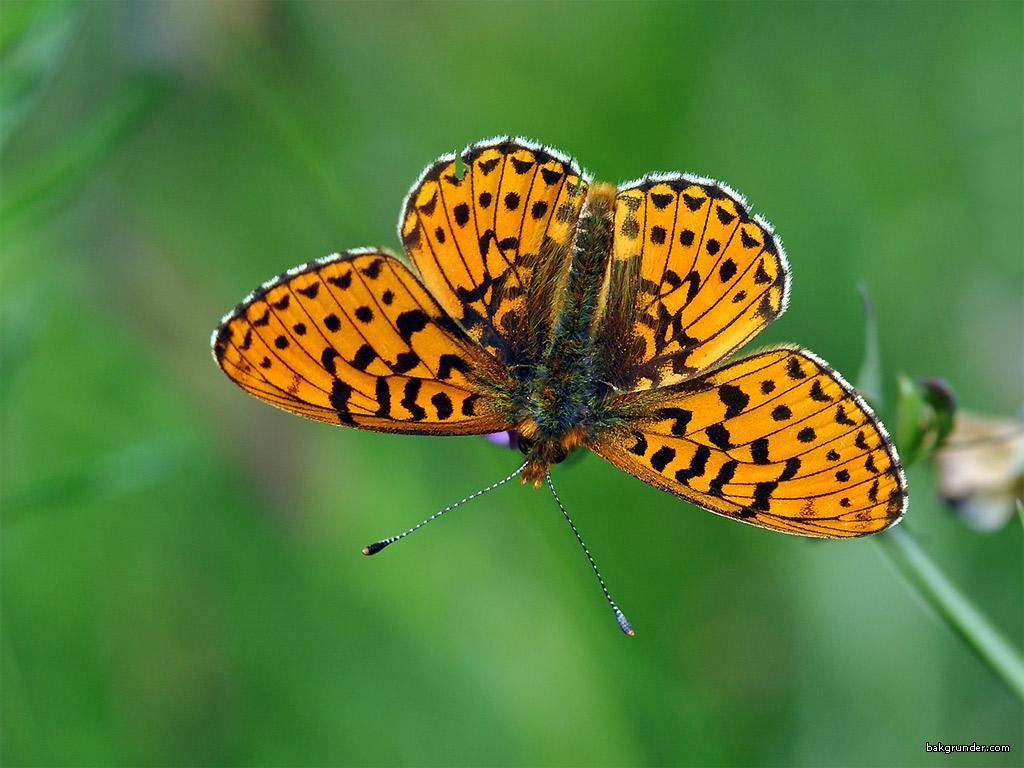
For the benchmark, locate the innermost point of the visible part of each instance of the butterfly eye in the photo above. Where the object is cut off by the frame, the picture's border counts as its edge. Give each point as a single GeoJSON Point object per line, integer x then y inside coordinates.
{"type": "Point", "coordinates": [525, 445]}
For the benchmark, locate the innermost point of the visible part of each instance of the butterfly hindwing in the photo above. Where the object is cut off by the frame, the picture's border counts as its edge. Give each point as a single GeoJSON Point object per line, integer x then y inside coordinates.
{"type": "Point", "coordinates": [702, 277]}
{"type": "Point", "coordinates": [778, 440]}
{"type": "Point", "coordinates": [355, 339]}
{"type": "Point", "coordinates": [491, 239]}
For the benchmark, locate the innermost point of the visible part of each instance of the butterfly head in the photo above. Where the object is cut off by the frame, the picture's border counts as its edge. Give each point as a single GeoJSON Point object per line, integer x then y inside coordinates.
{"type": "Point", "coordinates": [541, 452]}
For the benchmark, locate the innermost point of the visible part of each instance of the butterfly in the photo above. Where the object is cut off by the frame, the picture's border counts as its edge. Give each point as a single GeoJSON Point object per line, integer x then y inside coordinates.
{"type": "Point", "coordinates": [577, 314]}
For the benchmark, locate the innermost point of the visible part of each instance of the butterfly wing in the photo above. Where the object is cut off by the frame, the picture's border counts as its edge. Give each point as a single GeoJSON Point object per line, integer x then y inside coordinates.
{"type": "Point", "coordinates": [355, 339]}
{"type": "Point", "coordinates": [778, 440]}
{"type": "Point", "coordinates": [492, 240]}
{"type": "Point", "coordinates": [693, 278]}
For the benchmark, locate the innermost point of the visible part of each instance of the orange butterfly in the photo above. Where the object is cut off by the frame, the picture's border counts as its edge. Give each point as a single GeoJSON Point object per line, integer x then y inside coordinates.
{"type": "Point", "coordinates": [577, 314]}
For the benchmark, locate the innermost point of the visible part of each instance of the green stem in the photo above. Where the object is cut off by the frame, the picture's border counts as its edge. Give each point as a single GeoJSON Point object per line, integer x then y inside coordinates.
{"type": "Point", "coordinates": [932, 586]}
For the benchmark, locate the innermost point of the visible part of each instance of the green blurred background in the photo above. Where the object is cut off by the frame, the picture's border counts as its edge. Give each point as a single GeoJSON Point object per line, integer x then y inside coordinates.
{"type": "Point", "coordinates": [181, 577]}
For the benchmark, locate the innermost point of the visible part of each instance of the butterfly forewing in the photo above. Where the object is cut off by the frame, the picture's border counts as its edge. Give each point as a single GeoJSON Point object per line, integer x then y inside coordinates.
{"type": "Point", "coordinates": [356, 340]}
{"type": "Point", "coordinates": [777, 439]}
{"type": "Point", "coordinates": [703, 277]}
{"type": "Point", "coordinates": [492, 243]}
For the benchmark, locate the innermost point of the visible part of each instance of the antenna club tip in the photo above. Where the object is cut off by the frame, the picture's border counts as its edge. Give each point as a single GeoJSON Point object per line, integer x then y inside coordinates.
{"type": "Point", "coordinates": [373, 549]}
{"type": "Point", "coordinates": [624, 624]}
{"type": "Point", "coordinates": [366, 551]}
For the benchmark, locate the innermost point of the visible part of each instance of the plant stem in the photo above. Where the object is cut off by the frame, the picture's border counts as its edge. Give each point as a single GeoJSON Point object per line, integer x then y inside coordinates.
{"type": "Point", "coordinates": [962, 616]}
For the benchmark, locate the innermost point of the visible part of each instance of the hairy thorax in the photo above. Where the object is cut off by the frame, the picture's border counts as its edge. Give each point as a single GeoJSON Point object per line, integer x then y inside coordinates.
{"type": "Point", "coordinates": [567, 388]}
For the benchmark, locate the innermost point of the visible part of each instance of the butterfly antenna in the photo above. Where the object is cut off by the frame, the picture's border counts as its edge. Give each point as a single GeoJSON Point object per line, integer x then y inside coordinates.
{"type": "Point", "coordinates": [624, 624]}
{"type": "Point", "coordinates": [376, 547]}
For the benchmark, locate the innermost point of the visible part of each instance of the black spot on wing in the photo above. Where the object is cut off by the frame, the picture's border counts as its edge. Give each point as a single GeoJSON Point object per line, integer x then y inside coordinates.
{"type": "Point", "coordinates": [405, 362]}
{"type": "Point", "coordinates": [410, 322]}
{"type": "Point", "coordinates": [662, 457]}
{"type": "Point", "coordinates": [734, 399]}
{"type": "Point", "coordinates": [630, 228]}
{"type": "Point", "coordinates": [364, 356]}
{"type": "Point", "coordinates": [411, 392]}
{"type": "Point", "coordinates": [819, 394]}
{"type": "Point", "coordinates": [442, 404]}
{"type": "Point", "coordinates": [747, 240]}
{"type": "Point", "coordinates": [719, 436]}
{"type": "Point", "coordinates": [428, 207]}
{"type": "Point", "coordinates": [340, 393]}
{"type": "Point", "coordinates": [693, 203]}
{"type": "Point", "coordinates": [790, 470]}
{"type": "Point", "coordinates": [680, 416]}
{"type": "Point", "coordinates": [342, 281]}
{"type": "Point", "coordinates": [759, 450]}
{"type": "Point", "coordinates": [383, 396]}
{"type": "Point", "coordinates": [698, 465]}
{"type": "Point", "coordinates": [842, 418]}
{"type": "Point", "coordinates": [448, 363]}
{"type": "Point", "coordinates": [521, 166]}
{"type": "Point", "coordinates": [725, 474]}
{"type": "Point", "coordinates": [762, 495]}
{"type": "Point", "coordinates": [550, 177]}
{"type": "Point", "coordinates": [693, 284]}
{"type": "Point", "coordinates": [794, 370]}
{"type": "Point", "coordinates": [760, 275]}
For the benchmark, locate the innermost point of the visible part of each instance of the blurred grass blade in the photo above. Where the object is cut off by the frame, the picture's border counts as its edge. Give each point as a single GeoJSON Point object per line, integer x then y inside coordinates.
{"type": "Point", "coordinates": [125, 471]}
{"type": "Point", "coordinates": [24, 319]}
{"type": "Point", "coordinates": [869, 377]}
{"type": "Point", "coordinates": [34, 39]}
{"type": "Point", "coordinates": [253, 79]}
{"type": "Point", "coordinates": [57, 172]}
{"type": "Point", "coordinates": [959, 613]}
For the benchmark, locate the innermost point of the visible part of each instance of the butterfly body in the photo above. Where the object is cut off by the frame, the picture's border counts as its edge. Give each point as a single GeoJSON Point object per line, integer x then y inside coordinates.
{"type": "Point", "coordinates": [578, 315]}
{"type": "Point", "coordinates": [567, 390]}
